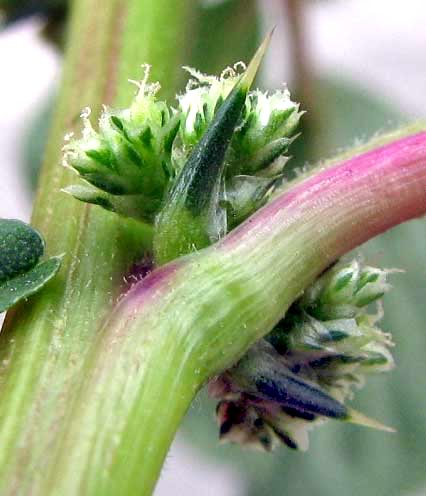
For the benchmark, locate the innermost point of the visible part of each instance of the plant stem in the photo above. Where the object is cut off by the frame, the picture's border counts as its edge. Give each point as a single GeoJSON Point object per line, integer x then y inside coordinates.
{"type": "Point", "coordinates": [43, 343]}
{"type": "Point", "coordinates": [193, 318]}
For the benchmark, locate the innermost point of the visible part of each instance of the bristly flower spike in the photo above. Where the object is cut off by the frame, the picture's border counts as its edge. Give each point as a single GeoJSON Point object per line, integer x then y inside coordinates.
{"type": "Point", "coordinates": [127, 165]}
{"type": "Point", "coordinates": [303, 372]}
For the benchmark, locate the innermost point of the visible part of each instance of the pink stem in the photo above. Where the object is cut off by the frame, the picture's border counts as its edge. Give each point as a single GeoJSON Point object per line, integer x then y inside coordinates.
{"type": "Point", "coordinates": [317, 221]}
{"type": "Point", "coordinates": [375, 190]}
{"type": "Point", "coordinates": [195, 317]}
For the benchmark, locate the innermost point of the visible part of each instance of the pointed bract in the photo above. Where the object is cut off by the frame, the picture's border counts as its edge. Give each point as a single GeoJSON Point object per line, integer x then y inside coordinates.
{"type": "Point", "coordinates": [193, 216]}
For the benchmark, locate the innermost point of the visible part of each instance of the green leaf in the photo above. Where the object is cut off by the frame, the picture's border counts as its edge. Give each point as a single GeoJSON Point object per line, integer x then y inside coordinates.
{"type": "Point", "coordinates": [26, 284]}
{"type": "Point", "coordinates": [21, 275]}
{"type": "Point", "coordinates": [21, 246]}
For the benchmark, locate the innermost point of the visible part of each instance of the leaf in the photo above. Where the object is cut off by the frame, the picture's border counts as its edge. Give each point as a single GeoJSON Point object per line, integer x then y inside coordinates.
{"type": "Point", "coordinates": [21, 275]}
{"type": "Point", "coordinates": [20, 248]}
{"type": "Point", "coordinates": [27, 284]}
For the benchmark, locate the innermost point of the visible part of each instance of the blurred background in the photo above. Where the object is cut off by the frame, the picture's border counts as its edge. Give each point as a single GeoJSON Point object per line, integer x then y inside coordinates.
{"type": "Point", "coordinates": [359, 68]}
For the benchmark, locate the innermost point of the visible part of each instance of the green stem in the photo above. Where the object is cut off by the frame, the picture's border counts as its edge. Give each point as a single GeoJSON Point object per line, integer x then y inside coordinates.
{"type": "Point", "coordinates": [195, 317]}
{"type": "Point", "coordinates": [44, 342]}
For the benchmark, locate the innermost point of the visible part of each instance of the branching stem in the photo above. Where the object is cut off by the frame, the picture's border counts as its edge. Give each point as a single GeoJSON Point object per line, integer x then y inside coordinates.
{"type": "Point", "coordinates": [191, 319]}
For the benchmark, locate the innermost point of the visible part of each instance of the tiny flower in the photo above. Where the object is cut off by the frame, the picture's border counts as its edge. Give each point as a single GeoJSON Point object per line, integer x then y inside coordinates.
{"type": "Point", "coordinates": [242, 424]}
{"type": "Point", "coordinates": [345, 289]}
{"type": "Point", "coordinates": [202, 98]}
{"type": "Point", "coordinates": [266, 126]}
{"type": "Point", "coordinates": [266, 131]}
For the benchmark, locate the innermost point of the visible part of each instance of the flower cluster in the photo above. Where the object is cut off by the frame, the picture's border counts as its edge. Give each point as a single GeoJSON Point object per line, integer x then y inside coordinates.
{"type": "Point", "coordinates": [308, 366]}
{"type": "Point", "coordinates": [134, 158]}
{"type": "Point", "coordinates": [127, 163]}
{"type": "Point", "coordinates": [256, 157]}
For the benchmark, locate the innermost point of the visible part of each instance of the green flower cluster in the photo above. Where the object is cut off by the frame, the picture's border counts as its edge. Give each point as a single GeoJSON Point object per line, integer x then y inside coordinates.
{"type": "Point", "coordinates": [309, 365]}
{"type": "Point", "coordinates": [134, 159]}
{"type": "Point", "coordinates": [265, 128]}
{"type": "Point", "coordinates": [256, 156]}
{"type": "Point", "coordinates": [126, 164]}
